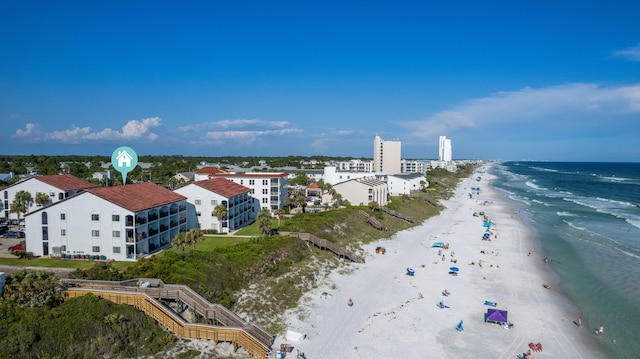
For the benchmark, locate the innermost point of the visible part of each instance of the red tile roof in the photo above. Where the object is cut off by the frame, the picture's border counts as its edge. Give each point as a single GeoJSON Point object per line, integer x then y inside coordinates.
{"type": "Point", "coordinates": [65, 182]}
{"type": "Point", "coordinates": [137, 197]}
{"type": "Point", "coordinates": [210, 171]}
{"type": "Point", "coordinates": [223, 187]}
{"type": "Point", "coordinates": [313, 185]}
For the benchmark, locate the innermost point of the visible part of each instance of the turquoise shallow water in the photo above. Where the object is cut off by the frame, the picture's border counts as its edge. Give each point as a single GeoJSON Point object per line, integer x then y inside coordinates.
{"type": "Point", "coordinates": [586, 217]}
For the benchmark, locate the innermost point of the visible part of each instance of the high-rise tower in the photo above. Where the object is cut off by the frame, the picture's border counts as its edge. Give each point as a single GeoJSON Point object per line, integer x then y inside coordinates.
{"type": "Point", "coordinates": [444, 149]}
{"type": "Point", "coordinates": [386, 156]}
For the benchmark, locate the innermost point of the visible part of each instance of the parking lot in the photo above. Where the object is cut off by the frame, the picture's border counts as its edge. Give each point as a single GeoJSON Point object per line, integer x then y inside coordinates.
{"type": "Point", "coordinates": [5, 243]}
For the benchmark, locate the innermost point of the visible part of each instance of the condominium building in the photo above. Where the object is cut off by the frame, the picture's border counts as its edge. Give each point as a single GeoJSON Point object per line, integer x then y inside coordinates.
{"type": "Point", "coordinates": [444, 149]}
{"type": "Point", "coordinates": [386, 156]}
{"type": "Point", "coordinates": [361, 191]}
{"type": "Point", "coordinates": [269, 188]}
{"type": "Point", "coordinates": [57, 187]}
{"type": "Point", "coordinates": [204, 196]}
{"type": "Point", "coordinates": [119, 223]}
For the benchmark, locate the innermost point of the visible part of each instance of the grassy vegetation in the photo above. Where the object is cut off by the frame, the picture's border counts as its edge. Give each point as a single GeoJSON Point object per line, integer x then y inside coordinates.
{"type": "Point", "coordinates": [58, 263]}
{"type": "Point", "coordinates": [84, 327]}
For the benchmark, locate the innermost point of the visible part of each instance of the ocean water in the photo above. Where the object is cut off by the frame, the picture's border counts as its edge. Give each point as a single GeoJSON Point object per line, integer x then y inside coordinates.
{"type": "Point", "coordinates": [586, 217]}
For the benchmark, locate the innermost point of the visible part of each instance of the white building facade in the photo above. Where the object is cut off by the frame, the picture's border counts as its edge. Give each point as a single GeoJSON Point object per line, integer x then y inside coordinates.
{"type": "Point", "coordinates": [205, 195]}
{"type": "Point", "coordinates": [405, 183]}
{"type": "Point", "coordinates": [120, 223]}
{"type": "Point", "coordinates": [445, 152]}
{"type": "Point", "coordinates": [361, 191]}
{"type": "Point", "coordinates": [386, 156]}
{"type": "Point", "coordinates": [57, 187]}
{"type": "Point", "coordinates": [270, 189]}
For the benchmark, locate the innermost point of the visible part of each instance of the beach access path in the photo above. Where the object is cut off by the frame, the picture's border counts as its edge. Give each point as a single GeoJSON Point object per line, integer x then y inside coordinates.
{"type": "Point", "coordinates": [396, 315]}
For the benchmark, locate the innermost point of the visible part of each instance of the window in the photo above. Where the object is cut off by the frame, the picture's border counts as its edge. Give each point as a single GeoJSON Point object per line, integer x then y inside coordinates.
{"type": "Point", "coordinates": [63, 232]}
{"type": "Point", "coordinates": [115, 218]}
{"type": "Point", "coordinates": [252, 182]}
{"type": "Point", "coordinates": [95, 217]}
{"type": "Point", "coordinates": [63, 248]}
{"type": "Point", "coordinates": [198, 214]}
{"type": "Point", "coordinates": [214, 202]}
{"type": "Point", "coordinates": [95, 249]}
{"type": "Point", "coordinates": [115, 234]}
{"type": "Point", "coordinates": [63, 216]}
{"type": "Point", "coordinates": [197, 202]}
{"type": "Point", "coordinates": [44, 218]}
{"type": "Point", "coordinates": [265, 200]}
{"type": "Point", "coordinates": [116, 250]}
{"type": "Point", "coordinates": [241, 181]}
{"type": "Point", "coordinates": [95, 233]}
{"type": "Point", "coordinates": [265, 191]}
{"type": "Point", "coordinates": [265, 182]}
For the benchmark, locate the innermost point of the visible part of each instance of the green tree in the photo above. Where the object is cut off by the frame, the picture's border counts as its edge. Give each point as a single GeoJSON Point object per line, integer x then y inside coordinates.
{"type": "Point", "coordinates": [374, 205]}
{"type": "Point", "coordinates": [264, 221]}
{"type": "Point", "coordinates": [21, 203]}
{"type": "Point", "coordinates": [301, 201]}
{"type": "Point", "coordinates": [280, 212]}
{"type": "Point", "coordinates": [42, 199]}
{"type": "Point", "coordinates": [194, 235]}
{"type": "Point", "coordinates": [219, 211]}
{"type": "Point", "coordinates": [28, 288]}
{"type": "Point", "coordinates": [180, 241]}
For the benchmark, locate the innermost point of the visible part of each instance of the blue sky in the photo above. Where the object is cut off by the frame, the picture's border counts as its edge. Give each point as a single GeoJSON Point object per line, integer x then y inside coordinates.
{"type": "Point", "coordinates": [511, 80]}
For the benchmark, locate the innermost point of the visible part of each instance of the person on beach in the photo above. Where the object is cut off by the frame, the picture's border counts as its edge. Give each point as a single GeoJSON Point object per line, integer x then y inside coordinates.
{"type": "Point", "coordinates": [600, 330]}
{"type": "Point", "coordinates": [350, 303]}
{"type": "Point", "coordinates": [580, 321]}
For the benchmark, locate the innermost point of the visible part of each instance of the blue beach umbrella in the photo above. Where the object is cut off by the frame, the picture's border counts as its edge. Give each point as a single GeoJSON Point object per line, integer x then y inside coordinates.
{"type": "Point", "coordinates": [454, 269]}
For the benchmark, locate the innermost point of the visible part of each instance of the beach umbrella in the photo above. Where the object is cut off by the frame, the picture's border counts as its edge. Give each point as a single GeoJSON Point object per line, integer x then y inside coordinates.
{"type": "Point", "coordinates": [454, 269]}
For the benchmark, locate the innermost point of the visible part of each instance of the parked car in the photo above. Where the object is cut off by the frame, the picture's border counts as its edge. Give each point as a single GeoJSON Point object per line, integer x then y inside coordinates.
{"type": "Point", "coordinates": [14, 234]}
{"type": "Point", "coordinates": [18, 247]}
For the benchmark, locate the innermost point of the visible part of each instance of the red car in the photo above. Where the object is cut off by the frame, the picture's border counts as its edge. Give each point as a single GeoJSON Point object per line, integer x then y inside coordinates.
{"type": "Point", "coordinates": [18, 247]}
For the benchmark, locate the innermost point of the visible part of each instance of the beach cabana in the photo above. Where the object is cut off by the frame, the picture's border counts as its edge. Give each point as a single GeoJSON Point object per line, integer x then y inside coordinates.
{"type": "Point", "coordinates": [496, 316]}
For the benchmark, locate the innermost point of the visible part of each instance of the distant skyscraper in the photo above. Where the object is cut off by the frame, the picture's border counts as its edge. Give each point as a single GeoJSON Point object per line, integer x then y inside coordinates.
{"type": "Point", "coordinates": [444, 150]}
{"type": "Point", "coordinates": [386, 156]}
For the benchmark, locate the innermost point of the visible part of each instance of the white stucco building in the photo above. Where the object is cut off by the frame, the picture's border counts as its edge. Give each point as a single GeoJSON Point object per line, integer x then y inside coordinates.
{"type": "Point", "coordinates": [405, 183]}
{"type": "Point", "coordinates": [119, 223]}
{"type": "Point", "coordinates": [203, 197]}
{"type": "Point", "coordinates": [270, 189]}
{"type": "Point", "coordinates": [445, 152]}
{"type": "Point", "coordinates": [57, 187]}
{"type": "Point", "coordinates": [361, 191]}
{"type": "Point", "coordinates": [386, 156]}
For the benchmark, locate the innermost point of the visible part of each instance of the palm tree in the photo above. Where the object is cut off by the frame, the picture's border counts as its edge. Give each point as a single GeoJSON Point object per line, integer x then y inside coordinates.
{"type": "Point", "coordinates": [264, 221]}
{"type": "Point", "coordinates": [301, 201]}
{"type": "Point", "coordinates": [194, 235]}
{"type": "Point", "coordinates": [289, 201]}
{"type": "Point", "coordinates": [21, 203]}
{"type": "Point", "coordinates": [181, 241]}
{"type": "Point", "coordinates": [42, 199]}
{"type": "Point", "coordinates": [219, 211]}
{"type": "Point", "coordinates": [279, 213]}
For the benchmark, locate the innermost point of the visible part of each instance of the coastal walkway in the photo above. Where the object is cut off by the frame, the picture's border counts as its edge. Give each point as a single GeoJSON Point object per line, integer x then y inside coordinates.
{"type": "Point", "coordinates": [148, 295]}
{"type": "Point", "coordinates": [326, 245]}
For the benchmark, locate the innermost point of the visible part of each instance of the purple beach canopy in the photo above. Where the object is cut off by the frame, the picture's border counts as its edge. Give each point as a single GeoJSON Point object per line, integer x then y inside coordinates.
{"type": "Point", "coordinates": [497, 315]}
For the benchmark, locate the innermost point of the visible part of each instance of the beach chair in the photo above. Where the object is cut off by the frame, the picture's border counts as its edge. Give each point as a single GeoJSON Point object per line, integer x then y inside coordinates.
{"type": "Point", "coordinates": [459, 327]}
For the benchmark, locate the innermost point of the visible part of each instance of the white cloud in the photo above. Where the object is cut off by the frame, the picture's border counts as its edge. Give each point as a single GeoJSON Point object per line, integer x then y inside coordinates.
{"type": "Point", "coordinates": [133, 129]}
{"type": "Point", "coordinates": [230, 124]}
{"type": "Point", "coordinates": [630, 53]}
{"type": "Point", "coordinates": [544, 106]}
{"type": "Point", "coordinates": [30, 134]}
{"type": "Point", "coordinates": [247, 137]}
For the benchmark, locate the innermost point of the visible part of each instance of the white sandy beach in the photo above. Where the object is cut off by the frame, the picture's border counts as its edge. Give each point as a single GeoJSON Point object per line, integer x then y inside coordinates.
{"type": "Point", "coordinates": [396, 315]}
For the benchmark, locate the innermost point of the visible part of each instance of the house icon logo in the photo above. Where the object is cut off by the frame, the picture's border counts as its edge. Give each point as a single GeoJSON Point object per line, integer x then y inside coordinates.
{"type": "Point", "coordinates": [124, 159]}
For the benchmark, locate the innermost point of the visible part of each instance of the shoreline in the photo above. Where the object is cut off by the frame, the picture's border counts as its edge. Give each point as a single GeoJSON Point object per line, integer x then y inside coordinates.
{"type": "Point", "coordinates": [397, 314]}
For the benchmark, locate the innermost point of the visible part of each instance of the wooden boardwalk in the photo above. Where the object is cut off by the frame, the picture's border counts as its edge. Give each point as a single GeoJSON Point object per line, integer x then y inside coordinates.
{"type": "Point", "coordinates": [326, 245]}
{"type": "Point", "coordinates": [252, 338]}
{"type": "Point", "coordinates": [398, 215]}
{"type": "Point", "coordinates": [372, 220]}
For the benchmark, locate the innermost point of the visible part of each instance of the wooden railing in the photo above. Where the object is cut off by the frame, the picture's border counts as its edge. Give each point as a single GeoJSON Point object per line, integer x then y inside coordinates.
{"type": "Point", "coordinates": [326, 245]}
{"type": "Point", "coordinates": [398, 215]}
{"type": "Point", "coordinates": [372, 221]}
{"type": "Point", "coordinates": [252, 338]}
